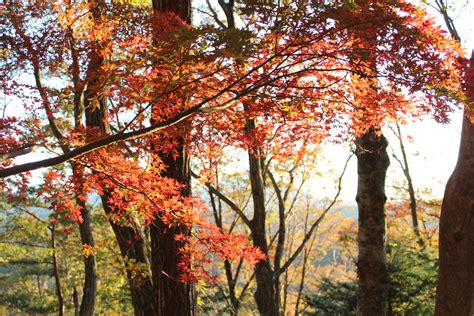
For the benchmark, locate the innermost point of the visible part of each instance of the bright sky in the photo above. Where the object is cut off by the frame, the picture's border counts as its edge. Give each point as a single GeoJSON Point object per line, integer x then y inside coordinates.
{"type": "Point", "coordinates": [433, 153]}
{"type": "Point", "coordinates": [438, 144]}
{"type": "Point", "coordinates": [432, 156]}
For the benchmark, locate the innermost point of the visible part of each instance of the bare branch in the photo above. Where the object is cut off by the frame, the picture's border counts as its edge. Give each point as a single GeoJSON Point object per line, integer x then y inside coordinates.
{"type": "Point", "coordinates": [20, 152]}
{"type": "Point", "coordinates": [315, 224]}
{"type": "Point", "coordinates": [280, 248]}
{"type": "Point", "coordinates": [214, 15]}
{"type": "Point", "coordinates": [226, 200]}
{"type": "Point", "coordinates": [442, 7]}
{"type": "Point", "coordinates": [23, 244]}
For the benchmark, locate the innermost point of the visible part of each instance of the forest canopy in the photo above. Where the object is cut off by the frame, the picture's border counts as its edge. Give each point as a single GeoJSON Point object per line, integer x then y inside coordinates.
{"type": "Point", "coordinates": [157, 163]}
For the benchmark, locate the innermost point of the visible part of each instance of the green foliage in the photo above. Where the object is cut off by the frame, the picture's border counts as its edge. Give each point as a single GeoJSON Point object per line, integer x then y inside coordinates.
{"type": "Point", "coordinates": [113, 294]}
{"type": "Point", "coordinates": [25, 265]}
{"type": "Point", "coordinates": [27, 285]}
{"type": "Point", "coordinates": [413, 276]}
{"type": "Point", "coordinates": [21, 298]}
{"type": "Point", "coordinates": [213, 301]}
{"type": "Point", "coordinates": [334, 298]}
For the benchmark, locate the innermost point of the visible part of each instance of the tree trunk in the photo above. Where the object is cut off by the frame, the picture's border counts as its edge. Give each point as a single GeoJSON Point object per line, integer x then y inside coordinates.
{"type": "Point", "coordinates": [267, 295]}
{"type": "Point", "coordinates": [90, 280]}
{"type": "Point", "coordinates": [75, 301]}
{"type": "Point", "coordinates": [372, 166]}
{"type": "Point", "coordinates": [132, 246]}
{"type": "Point", "coordinates": [173, 296]}
{"type": "Point", "coordinates": [231, 281]}
{"type": "Point", "coordinates": [455, 292]}
{"type": "Point", "coordinates": [57, 279]}
{"type": "Point", "coordinates": [181, 8]}
{"type": "Point", "coordinates": [130, 242]}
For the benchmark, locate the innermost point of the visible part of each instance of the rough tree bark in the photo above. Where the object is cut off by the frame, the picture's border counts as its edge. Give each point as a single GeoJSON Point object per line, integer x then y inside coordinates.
{"type": "Point", "coordinates": [132, 246]}
{"type": "Point", "coordinates": [267, 294]}
{"type": "Point", "coordinates": [372, 164]}
{"type": "Point", "coordinates": [172, 296]}
{"type": "Point", "coordinates": [89, 289]}
{"type": "Point", "coordinates": [181, 8]}
{"type": "Point", "coordinates": [130, 241]}
{"type": "Point", "coordinates": [455, 292]}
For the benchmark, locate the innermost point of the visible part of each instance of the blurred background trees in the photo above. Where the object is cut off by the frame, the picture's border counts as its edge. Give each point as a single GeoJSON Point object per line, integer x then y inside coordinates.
{"type": "Point", "coordinates": [254, 100]}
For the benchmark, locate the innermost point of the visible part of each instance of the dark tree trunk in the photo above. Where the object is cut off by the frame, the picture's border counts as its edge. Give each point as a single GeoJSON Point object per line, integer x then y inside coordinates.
{"type": "Point", "coordinates": [89, 289]}
{"type": "Point", "coordinates": [130, 241]}
{"type": "Point", "coordinates": [372, 270]}
{"type": "Point", "coordinates": [75, 301]}
{"type": "Point", "coordinates": [455, 293]}
{"type": "Point", "coordinates": [267, 295]}
{"type": "Point", "coordinates": [57, 279]}
{"type": "Point", "coordinates": [132, 246]}
{"type": "Point", "coordinates": [231, 281]}
{"type": "Point", "coordinates": [172, 296]}
{"type": "Point", "coordinates": [181, 8]}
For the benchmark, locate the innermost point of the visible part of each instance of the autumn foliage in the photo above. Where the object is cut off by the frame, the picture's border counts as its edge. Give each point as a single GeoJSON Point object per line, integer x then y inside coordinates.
{"type": "Point", "coordinates": [291, 70]}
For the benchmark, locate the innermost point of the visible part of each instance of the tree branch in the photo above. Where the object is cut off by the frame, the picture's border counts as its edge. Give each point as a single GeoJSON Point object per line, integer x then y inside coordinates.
{"type": "Point", "coordinates": [24, 150]}
{"type": "Point", "coordinates": [443, 9]}
{"type": "Point", "coordinates": [315, 224]}
{"type": "Point", "coordinates": [198, 108]}
{"type": "Point", "coordinates": [227, 201]}
{"type": "Point", "coordinates": [280, 248]}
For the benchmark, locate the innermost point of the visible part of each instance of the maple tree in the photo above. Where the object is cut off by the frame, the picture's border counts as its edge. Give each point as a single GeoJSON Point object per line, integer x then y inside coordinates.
{"type": "Point", "coordinates": [373, 161]}
{"type": "Point", "coordinates": [111, 175]}
{"type": "Point", "coordinates": [371, 107]}
{"type": "Point", "coordinates": [291, 79]}
{"type": "Point", "coordinates": [174, 297]}
{"type": "Point", "coordinates": [372, 165]}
